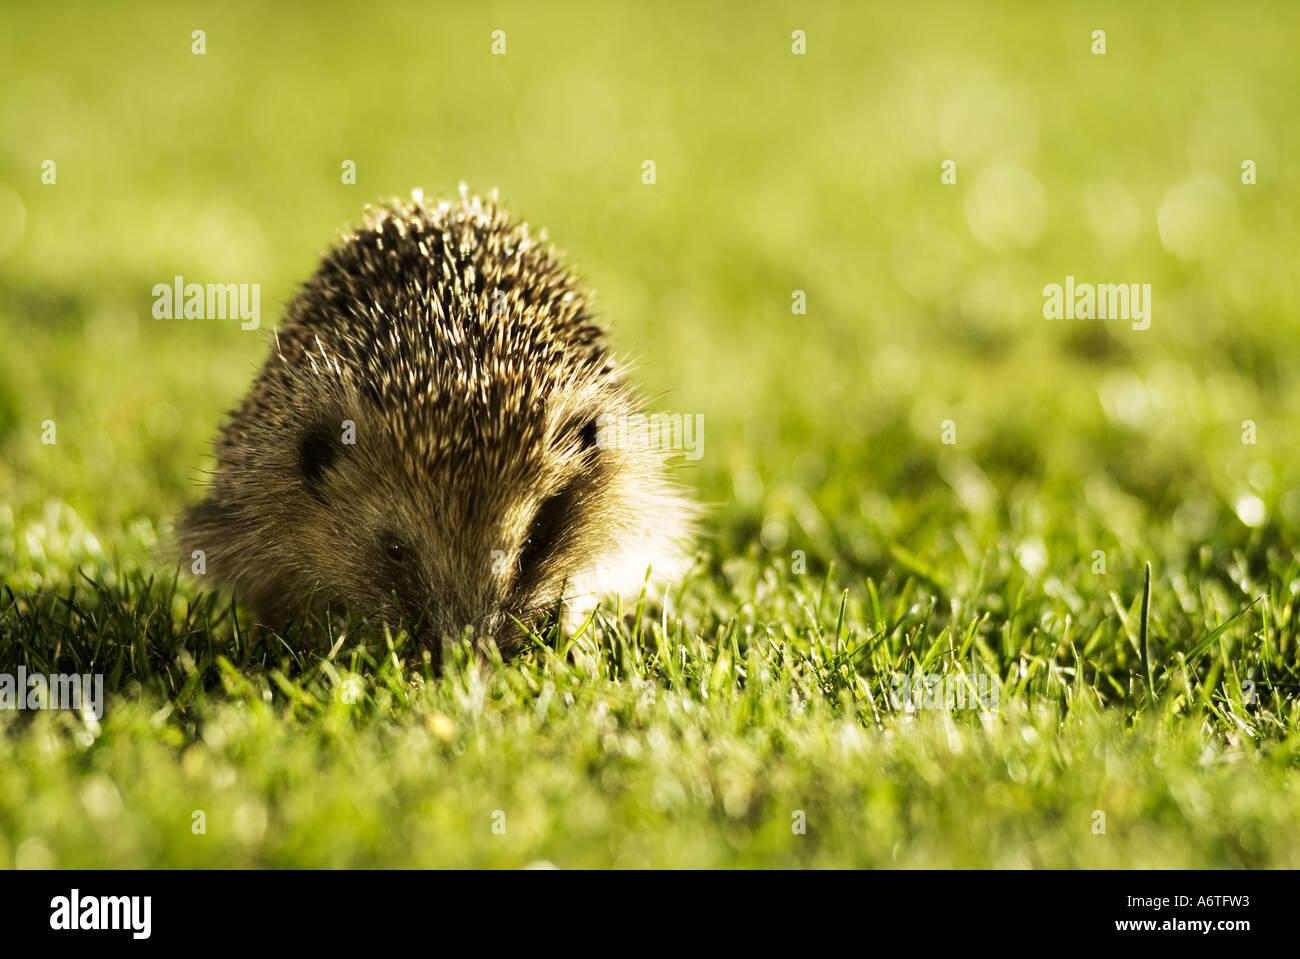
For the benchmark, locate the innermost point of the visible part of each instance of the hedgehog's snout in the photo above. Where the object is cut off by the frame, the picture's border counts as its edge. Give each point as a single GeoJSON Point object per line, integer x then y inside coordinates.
{"type": "Point", "coordinates": [440, 618]}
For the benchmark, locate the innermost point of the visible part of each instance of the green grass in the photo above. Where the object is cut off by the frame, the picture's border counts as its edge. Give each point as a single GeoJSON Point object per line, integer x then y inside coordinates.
{"type": "Point", "coordinates": [845, 542]}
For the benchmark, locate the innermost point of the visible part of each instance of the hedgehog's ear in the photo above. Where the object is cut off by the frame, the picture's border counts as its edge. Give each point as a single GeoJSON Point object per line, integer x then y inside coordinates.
{"type": "Point", "coordinates": [318, 450]}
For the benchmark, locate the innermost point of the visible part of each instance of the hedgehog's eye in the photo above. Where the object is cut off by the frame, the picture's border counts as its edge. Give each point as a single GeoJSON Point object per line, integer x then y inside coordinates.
{"type": "Point", "coordinates": [395, 551]}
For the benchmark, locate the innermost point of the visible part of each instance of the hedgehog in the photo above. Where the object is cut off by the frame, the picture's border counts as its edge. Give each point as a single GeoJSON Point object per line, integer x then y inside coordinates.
{"type": "Point", "coordinates": [430, 441]}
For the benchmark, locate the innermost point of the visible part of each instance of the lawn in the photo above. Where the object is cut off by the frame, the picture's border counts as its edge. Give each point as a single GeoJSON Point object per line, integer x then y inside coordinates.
{"type": "Point", "coordinates": [911, 475]}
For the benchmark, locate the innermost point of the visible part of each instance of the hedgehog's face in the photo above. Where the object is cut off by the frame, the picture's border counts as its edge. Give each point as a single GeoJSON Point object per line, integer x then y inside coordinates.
{"type": "Point", "coordinates": [492, 540]}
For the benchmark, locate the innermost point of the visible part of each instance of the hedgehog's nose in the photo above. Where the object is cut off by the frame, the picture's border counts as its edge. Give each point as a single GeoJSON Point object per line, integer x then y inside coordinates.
{"type": "Point", "coordinates": [455, 622]}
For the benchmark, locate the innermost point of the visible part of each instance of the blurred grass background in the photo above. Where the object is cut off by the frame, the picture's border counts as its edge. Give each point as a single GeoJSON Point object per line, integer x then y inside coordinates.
{"type": "Point", "coordinates": [775, 173]}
